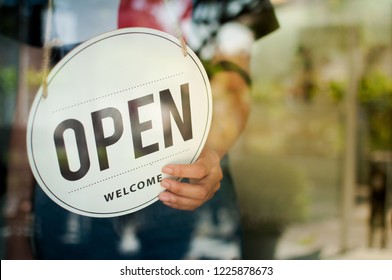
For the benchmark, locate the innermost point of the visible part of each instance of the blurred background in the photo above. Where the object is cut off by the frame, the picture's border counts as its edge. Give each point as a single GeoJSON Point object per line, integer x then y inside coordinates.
{"type": "Point", "coordinates": [314, 166]}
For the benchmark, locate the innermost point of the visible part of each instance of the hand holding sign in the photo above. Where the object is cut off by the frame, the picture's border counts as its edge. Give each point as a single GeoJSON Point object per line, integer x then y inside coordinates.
{"type": "Point", "coordinates": [205, 176]}
{"type": "Point", "coordinates": [121, 106]}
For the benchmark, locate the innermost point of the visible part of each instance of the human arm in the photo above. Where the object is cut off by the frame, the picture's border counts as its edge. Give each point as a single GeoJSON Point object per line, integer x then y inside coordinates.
{"type": "Point", "coordinates": [230, 82]}
{"type": "Point", "coordinates": [231, 99]}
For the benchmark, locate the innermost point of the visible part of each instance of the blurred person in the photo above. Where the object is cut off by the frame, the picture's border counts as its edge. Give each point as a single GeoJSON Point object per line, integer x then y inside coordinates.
{"type": "Point", "coordinates": [197, 218]}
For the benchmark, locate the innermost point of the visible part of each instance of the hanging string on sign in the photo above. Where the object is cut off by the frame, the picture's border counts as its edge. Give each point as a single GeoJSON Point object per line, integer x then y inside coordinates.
{"type": "Point", "coordinates": [177, 28]}
{"type": "Point", "coordinates": [47, 49]}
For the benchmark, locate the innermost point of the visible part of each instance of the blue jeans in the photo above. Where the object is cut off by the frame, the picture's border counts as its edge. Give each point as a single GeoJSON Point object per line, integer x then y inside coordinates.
{"type": "Point", "coordinates": [155, 232]}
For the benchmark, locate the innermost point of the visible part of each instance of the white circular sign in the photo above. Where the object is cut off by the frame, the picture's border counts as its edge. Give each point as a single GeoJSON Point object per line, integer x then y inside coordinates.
{"type": "Point", "coordinates": [119, 107]}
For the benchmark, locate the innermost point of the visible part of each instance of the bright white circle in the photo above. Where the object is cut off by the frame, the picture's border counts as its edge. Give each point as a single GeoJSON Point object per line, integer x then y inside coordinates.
{"type": "Point", "coordinates": [119, 107]}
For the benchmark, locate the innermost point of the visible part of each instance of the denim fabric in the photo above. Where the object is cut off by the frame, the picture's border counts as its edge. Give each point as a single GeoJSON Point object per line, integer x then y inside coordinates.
{"type": "Point", "coordinates": [155, 232]}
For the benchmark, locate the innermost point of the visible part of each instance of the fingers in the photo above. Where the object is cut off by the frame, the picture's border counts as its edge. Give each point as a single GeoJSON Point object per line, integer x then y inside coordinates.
{"type": "Point", "coordinates": [207, 162]}
{"type": "Point", "coordinates": [198, 170]}
{"type": "Point", "coordinates": [186, 196]}
{"type": "Point", "coordinates": [204, 180]}
{"type": "Point", "coordinates": [191, 191]}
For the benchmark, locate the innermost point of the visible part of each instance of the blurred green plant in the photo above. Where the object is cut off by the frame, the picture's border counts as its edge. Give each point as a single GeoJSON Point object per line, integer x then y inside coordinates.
{"type": "Point", "coordinates": [376, 87]}
{"type": "Point", "coordinates": [375, 97]}
{"type": "Point", "coordinates": [8, 80]}
{"type": "Point", "coordinates": [337, 90]}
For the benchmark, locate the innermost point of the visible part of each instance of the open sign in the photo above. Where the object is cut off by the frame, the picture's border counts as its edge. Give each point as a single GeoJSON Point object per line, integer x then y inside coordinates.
{"type": "Point", "coordinates": [119, 107]}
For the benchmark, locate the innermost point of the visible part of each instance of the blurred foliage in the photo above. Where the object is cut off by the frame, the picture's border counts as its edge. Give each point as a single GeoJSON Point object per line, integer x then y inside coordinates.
{"type": "Point", "coordinates": [8, 80]}
{"type": "Point", "coordinates": [321, 90]}
{"type": "Point", "coordinates": [375, 97]}
{"type": "Point", "coordinates": [337, 90]}
{"type": "Point", "coordinates": [376, 90]}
